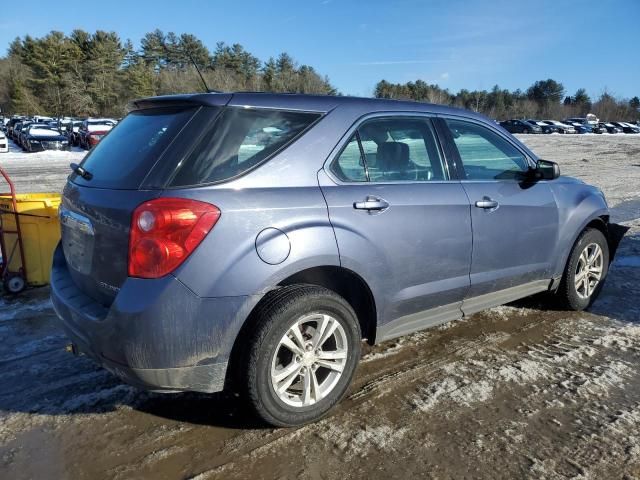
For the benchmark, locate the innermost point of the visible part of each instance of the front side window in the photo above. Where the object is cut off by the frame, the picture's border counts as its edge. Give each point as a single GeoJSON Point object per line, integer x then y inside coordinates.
{"type": "Point", "coordinates": [391, 150]}
{"type": "Point", "coordinates": [239, 140]}
{"type": "Point", "coordinates": [485, 155]}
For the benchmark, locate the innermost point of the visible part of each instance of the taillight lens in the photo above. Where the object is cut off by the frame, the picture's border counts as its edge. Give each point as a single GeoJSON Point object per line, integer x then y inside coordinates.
{"type": "Point", "coordinates": [165, 231]}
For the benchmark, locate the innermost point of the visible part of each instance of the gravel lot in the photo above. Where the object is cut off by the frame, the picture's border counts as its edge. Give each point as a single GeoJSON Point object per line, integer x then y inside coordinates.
{"type": "Point", "coordinates": [516, 391]}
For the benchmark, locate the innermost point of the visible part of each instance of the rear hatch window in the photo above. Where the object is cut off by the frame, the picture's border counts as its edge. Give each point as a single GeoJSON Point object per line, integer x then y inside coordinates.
{"type": "Point", "coordinates": [238, 141]}
{"type": "Point", "coordinates": [125, 156]}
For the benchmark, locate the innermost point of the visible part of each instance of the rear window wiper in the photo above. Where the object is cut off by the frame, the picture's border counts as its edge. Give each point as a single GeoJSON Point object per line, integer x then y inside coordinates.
{"type": "Point", "coordinates": [81, 171]}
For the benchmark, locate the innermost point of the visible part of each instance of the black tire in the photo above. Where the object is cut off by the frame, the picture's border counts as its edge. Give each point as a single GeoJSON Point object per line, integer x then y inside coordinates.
{"type": "Point", "coordinates": [276, 314]}
{"type": "Point", "coordinates": [567, 292]}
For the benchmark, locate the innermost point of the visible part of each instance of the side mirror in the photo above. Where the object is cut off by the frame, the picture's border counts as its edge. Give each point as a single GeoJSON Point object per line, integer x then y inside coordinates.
{"type": "Point", "coordinates": [547, 170]}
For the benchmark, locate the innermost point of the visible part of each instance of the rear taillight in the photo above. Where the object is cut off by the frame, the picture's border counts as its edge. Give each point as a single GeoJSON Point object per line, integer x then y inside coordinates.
{"type": "Point", "coordinates": [165, 231]}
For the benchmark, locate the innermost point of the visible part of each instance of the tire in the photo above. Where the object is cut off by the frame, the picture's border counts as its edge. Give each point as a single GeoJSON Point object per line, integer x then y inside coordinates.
{"type": "Point", "coordinates": [300, 307]}
{"type": "Point", "coordinates": [576, 297]}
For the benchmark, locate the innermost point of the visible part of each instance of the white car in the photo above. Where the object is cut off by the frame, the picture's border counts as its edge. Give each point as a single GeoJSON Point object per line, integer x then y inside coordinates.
{"type": "Point", "coordinates": [4, 143]}
{"type": "Point", "coordinates": [562, 127]}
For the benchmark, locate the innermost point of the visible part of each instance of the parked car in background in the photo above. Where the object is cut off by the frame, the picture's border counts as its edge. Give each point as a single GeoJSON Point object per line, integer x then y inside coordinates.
{"type": "Point", "coordinates": [585, 125]}
{"type": "Point", "coordinates": [581, 127]}
{"type": "Point", "coordinates": [24, 132]}
{"type": "Point", "coordinates": [610, 127]}
{"type": "Point", "coordinates": [93, 130]}
{"type": "Point", "coordinates": [72, 132]}
{"type": "Point", "coordinates": [4, 143]}
{"type": "Point", "coordinates": [17, 131]}
{"type": "Point", "coordinates": [11, 126]}
{"type": "Point", "coordinates": [520, 126]}
{"type": "Point", "coordinates": [546, 128]}
{"type": "Point", "coordinates": [279, 231]}
{"type": "Point", "coordinates": [42, 119]}
{"type": "Point", "coordinates": [627, 127]}
{"type": "Point", "coordinates": [562, 127]}
{"type": "Point", "coordinates": [55, 125]}
{"type": "Point", "coordinates": [38, 138]}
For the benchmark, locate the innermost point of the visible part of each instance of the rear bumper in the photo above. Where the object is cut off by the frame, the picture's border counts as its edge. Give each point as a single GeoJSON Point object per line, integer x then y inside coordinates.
{"type": "Point", "coordinates": [157, 334]}
{"type": "Point", "coordinates": [197, 378]}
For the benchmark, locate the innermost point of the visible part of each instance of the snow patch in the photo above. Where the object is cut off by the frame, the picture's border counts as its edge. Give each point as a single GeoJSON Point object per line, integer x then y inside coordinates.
{"type": "Point", "coordinates": [381, 437]}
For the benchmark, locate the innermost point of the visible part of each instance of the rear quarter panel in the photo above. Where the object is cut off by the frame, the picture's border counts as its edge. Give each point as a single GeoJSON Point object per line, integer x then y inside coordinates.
{"type": "Point", "coordinates": [227, 263]}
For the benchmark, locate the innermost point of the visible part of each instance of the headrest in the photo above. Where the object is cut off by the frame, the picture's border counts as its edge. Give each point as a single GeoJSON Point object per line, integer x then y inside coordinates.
{"type": "Point", "coordinates": [392, 156]}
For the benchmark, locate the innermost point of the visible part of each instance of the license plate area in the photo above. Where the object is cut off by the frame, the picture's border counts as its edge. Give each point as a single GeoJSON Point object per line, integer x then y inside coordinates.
{"type": "Point", "coordinates": [78, 238]}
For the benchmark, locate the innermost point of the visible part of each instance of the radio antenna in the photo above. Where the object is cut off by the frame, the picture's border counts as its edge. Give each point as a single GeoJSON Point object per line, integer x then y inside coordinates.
{"type": "Point", "coordinates": [206, 88]}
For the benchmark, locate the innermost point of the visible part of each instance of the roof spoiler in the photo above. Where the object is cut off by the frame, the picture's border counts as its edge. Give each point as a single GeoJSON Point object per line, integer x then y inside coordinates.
{"type": "Point", "coordinates": [196, 99]}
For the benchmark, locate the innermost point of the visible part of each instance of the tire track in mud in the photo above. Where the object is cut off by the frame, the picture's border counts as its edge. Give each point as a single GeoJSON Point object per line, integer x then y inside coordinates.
{"type": "Point", "coordinates": [403, 376]}
{"type": "Point", "coordinates": [557, 354]}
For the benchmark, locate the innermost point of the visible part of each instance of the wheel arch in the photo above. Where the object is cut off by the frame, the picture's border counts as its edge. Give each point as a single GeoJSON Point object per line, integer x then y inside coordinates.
{"type": "Point", "coordinates": [340, 280]}
{"type": "Point", "coordinates": [599, 222]}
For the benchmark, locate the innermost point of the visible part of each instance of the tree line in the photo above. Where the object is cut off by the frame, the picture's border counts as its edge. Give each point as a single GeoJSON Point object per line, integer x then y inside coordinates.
{"type": "Point", "coordinates": [97, 74]}
{"type": "Point", "coordinates": [89, 74]}
{"type": "Point", "coordinates": [543, 99]}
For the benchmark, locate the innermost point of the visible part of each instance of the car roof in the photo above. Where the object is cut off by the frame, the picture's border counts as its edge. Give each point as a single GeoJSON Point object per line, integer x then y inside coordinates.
{"type": "Point", "coordinates": [303, 102]}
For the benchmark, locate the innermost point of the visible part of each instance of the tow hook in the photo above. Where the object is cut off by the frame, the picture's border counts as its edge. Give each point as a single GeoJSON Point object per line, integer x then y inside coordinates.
{"type": "Point", "coordinates": [73, 348]}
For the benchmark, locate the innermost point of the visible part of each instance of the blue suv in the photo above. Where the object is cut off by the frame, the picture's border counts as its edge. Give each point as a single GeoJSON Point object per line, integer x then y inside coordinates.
{"type": "Point", "coordinates": [252, 241]}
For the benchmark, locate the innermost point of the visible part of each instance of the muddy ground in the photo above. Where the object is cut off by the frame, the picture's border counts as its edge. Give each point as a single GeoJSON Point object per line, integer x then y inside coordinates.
{"type": "Point", "coordinates": [517, 391]}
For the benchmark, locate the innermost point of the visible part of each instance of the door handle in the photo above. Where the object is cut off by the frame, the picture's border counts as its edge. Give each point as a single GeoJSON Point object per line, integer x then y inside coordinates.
{"type": "Point", "coordinates": [486, 202]}
{"type": "Point", "coordinates": [371, 203]}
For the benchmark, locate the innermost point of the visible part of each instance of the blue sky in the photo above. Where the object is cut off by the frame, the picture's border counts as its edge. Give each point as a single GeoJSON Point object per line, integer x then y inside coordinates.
{"type": "Point", "coordinates": [472, 44]}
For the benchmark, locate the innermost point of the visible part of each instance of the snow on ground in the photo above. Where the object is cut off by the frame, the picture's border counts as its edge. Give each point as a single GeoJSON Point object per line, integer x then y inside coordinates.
{"type": "Point", "coordinates": [612, 162]}
{"type": "Point", "coordinates": [39, 171]}
{"type": "Point", "coordinates": [518, 391]}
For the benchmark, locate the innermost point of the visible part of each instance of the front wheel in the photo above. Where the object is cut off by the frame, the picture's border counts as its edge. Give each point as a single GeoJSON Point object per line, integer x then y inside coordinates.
{"type": "Point", "coordinates": [302, 355]}
{"type": "Point", "coordinates": [586, 270]}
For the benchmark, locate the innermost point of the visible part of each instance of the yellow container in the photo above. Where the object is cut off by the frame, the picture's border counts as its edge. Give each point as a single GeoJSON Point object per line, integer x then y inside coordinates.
{"type": "Point", "coordinates": [40, 233]}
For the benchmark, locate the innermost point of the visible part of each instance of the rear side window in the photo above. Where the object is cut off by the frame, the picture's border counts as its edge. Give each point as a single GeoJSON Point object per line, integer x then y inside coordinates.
{"type": "Point", "coordinates": [349, 166]}
{"type": "Point", "coordinates": [239, 140]}
{"type": "Point", "coordinates": [123, 158]}
{"type": "Point", "coordinates": [391, 150]}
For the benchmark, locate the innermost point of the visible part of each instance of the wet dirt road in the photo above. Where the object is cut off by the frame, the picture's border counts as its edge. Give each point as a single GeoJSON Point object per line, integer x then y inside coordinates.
{"type": "Point", "coordinates": [516, 391]}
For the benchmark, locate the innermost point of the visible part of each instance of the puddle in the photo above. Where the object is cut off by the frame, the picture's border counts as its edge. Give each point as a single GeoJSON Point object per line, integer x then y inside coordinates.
{"type": "Point", "coordinates": [626, 211]}
{"type": "Point", "coordinates": [627, 261]}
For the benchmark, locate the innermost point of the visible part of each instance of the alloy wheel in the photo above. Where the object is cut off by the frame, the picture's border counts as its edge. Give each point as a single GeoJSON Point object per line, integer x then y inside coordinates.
{"type": "Point", "coordinates": [588, 270]}
{"type": "Point", "coordinates": [309, 360]}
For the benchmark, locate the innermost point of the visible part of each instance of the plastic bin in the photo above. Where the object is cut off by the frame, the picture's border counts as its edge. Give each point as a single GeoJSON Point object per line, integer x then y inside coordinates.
{"type": "Point", "coordinates": [40, 229]}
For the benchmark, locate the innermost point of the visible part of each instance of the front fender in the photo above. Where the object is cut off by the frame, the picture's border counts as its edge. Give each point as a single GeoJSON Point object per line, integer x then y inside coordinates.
{"type": "Point", "coordinates": [578, 205]}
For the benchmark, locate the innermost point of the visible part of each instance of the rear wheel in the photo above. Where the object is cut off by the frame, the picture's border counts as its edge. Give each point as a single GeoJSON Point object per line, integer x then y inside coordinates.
{"type": "Point", "coordinates": [302, 356]}
{"type": "Point", "coordinates": [586, 270]}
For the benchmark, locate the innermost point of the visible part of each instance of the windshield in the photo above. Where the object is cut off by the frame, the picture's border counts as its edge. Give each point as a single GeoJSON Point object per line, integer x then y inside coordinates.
{"type": "Point", "coordinates": [123, 158]}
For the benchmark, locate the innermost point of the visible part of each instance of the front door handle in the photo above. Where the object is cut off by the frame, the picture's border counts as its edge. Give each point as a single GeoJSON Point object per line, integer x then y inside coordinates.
{"type": "Point", "coordinates": [371, 203]}
{"type": "Point", "coordinates": [486, 202]}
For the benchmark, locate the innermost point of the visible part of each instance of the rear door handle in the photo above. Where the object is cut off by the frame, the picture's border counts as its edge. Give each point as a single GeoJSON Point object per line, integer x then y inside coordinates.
{"type": "Point", "coordinates": [486, 202]}
{"type": "Point", "coordinates": [371, 203]}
